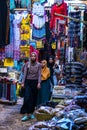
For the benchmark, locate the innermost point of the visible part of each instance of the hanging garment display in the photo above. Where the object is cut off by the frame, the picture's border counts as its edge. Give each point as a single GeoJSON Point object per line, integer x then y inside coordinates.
{"type": "Point", "coordinates": [9, 48]}
{"type": "Point", "coordinates": [4, 23]}
{"type": "Point", "coordinates": [24, 52]}
{"type": "Point", "coordinates": [59, 9]}
{"type": "Point", "coordinates": [38, 30]}
{"type": "Point", "coordinates": [12, 4]}
{"type": "Point", "coordinates": [25, 28]}
{"type": "Point", "coordinates": [20, 4]}
{"type": "Point", "coordinates": [74, 29]}
{"type": "Point", "coordinates": [74, 73]}
{"type": "Point", "coordinates": [25, 3]}
{"type": "Point", "coordinates": [8, 90]}
{"type": "Point", "coordinates": [16, 33]}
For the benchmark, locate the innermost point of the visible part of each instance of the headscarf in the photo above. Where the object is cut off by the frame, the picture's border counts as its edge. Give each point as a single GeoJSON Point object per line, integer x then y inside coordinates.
{"type": "Point", "coordinates": [45, 72]}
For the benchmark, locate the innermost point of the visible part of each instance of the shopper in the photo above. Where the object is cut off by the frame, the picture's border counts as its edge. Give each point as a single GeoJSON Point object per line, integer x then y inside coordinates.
{"type": "Point", "coordinates": [51, 62]}
{"type": "Point", "coordinates": [44, 91]}
{"type": "Point", "coordinates": [31, 82]}
{"type": "Point", "coordinates": [50, 65]}
{"type": "Point", "coordinates": [56, 74]}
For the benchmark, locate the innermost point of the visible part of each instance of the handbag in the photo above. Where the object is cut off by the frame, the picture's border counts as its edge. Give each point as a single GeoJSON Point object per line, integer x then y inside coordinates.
{"type": "Point", "coordinates": [22, 92]}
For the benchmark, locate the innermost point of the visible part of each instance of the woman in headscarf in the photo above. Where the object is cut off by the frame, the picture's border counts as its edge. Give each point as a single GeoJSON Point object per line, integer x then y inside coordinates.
{"type": "Point", "coordinates": [31, 82]}
{"type": "Point", "coordinates": [44, 91]}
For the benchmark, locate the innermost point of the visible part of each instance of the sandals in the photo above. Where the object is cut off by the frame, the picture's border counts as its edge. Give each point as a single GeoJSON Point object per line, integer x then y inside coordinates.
{"type": "Point", "coordinates": [25, 118]}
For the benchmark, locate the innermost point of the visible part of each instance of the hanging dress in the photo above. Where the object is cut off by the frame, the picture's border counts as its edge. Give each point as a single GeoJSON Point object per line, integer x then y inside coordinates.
{"type": "Point", "coordinates": [9, 48]}
{"type": "Point", "coordinates": [25, 30]}
{"type": "Point", "coordinates": [16, 30]}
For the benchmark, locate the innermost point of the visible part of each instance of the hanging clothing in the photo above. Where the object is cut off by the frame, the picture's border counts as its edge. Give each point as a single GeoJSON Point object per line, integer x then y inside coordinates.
{"type": "Point", "coordinates": [4, 23]}
{"type": "Point", "coordinates": [38, 31]}
{"type": "Point", "coordinates": [25, 3]}
{"type": "Point", "coordinates": [25, 28]}
{"type": "Point", "coordinates": [16, 30]}
{"type": "Point", "coordinates": [59, 9]}
{"type": "Point", "coordinates": [43, 1]}
{"type": "Point", "coordinates": [12, 4]}
{"type": "Point", "coordinates": [9, 48]}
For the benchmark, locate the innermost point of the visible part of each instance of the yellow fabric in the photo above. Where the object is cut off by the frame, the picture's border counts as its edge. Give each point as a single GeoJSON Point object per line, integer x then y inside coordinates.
{"type": "Point", "coordinates": [25, 28]}
{"type": "Point", "coordinates": [24, 51]}
{"type": "Point", "coordinates": [8, 62]}
{"type": "Point", "coordinates": [45, 72]}
{"type": "Point", "coordinates": [18, 89]}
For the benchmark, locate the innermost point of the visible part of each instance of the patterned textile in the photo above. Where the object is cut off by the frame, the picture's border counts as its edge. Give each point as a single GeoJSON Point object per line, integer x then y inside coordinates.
{"type": "Point", "coordinates": [9, 48]}
{"type": "Point", "coordinates": [16, 30]}
{"type": "Point", "coordinates": [38, 31]}
{"type": "Point", "coordinates": [74, 29]}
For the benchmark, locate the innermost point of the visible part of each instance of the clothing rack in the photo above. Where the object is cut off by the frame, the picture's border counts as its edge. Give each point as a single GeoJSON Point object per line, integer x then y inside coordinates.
{"type": "Point", "coordinates": [70, 18]}
{"type": "Point", "coordinates": [20, 9]}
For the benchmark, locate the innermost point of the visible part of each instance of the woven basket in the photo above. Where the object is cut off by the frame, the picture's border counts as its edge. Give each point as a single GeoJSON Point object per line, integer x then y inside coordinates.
{"type": "Point", "coordinates": [42, 116]}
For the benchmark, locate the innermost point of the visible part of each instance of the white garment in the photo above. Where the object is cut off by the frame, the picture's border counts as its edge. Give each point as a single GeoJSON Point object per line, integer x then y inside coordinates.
{"type": "Point", "coordinates": [38, 15]}
{"type": "Point", "coordinates": [38, 22]}
{"type": "Point", "coordinates": [38, 9]}
{"type": "Point", "coordinates": [16, 30]}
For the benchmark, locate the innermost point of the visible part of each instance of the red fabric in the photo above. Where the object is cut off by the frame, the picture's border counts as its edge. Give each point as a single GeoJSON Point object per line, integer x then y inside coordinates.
{"type": "Point", "coordinates": [61, 9]}
{"type": "Point", "coordinates": [31, 49]}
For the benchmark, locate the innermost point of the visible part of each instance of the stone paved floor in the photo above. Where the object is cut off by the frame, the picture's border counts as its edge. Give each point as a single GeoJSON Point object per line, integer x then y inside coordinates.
{"type": "Point", "coordinates": [10, 117]}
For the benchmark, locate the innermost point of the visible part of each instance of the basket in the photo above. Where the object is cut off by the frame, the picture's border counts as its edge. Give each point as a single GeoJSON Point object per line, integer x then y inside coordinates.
{"type": "Point", "coordinates": [43, 116]}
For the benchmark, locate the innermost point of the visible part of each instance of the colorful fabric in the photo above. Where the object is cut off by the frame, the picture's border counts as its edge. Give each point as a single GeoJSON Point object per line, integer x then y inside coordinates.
{"type": "Point", "coordinates": [61, 9]}
{"type": "Point", "coordinates": [25, 28]}
{"type": "Point", "coordinates": [45, 72]}
{"type": "Point", "coordinates": [25, 3]}
{"type": "Point", "coordinates": [12, 4]}
{"type": "Point", "coordinates": [38, 34]}
{"type": "Point", "coordinates": [16, 30]}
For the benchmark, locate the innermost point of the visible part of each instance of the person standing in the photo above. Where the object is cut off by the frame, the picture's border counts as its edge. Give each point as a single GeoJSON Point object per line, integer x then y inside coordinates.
{"type": "Point", "coordinates": [44, 91]}
{"type": "Point", "coordinates": [56, 74]}
{"type": "Point", "coordinates": [51, 62]}
{"type": "Point", "coordinates": [31, 82]}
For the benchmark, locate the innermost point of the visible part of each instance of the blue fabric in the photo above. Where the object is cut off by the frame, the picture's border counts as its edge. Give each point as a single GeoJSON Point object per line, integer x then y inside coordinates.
{"type": "Point", "coordinates": [25, 3]}
{"type": "Point", "coordinates": [43, 1]}
{"type": "Point", "coordinates": [38, 33]}
{"type": "Point", "coordinates": [13, 96]}
{"type": "Point", "coordinates": [12, 4]}
{"type": "Point", "coordinates": [44, 92]}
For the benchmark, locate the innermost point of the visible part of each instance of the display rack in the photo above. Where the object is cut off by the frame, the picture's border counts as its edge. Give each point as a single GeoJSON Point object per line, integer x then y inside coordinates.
{"type": "Point", "coordinates": [7, 88]}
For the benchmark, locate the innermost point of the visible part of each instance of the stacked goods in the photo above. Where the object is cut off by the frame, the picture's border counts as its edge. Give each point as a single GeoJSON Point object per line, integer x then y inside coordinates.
{"type": "Point", "coordinates": [74, 72]}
